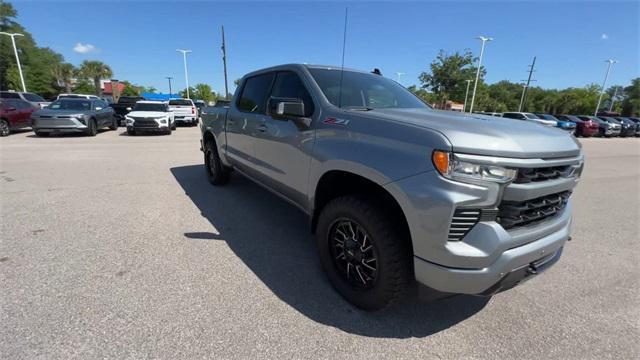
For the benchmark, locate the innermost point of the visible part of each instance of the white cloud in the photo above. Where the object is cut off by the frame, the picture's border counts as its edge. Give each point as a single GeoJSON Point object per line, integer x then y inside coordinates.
{"type": "Point", "coordinates": [84, 48]}
{"type": "Point", "coordinates": [604, 36]}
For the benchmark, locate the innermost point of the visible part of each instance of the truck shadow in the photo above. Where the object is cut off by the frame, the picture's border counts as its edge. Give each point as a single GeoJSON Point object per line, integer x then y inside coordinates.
{"type": "Point", "coordinates": [272, 238]}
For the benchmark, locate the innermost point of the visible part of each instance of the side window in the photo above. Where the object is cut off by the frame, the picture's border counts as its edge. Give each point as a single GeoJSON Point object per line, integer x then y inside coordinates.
{"type": "Point", "coordinates": [10, 95]}
{"type": "Point", "coordinates": [254, 94]}
{"type": "Point", "coordinates": [289, 85]}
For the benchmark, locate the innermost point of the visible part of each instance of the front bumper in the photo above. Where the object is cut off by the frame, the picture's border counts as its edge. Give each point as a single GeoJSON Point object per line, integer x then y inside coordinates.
{"type": "Point", "coordinates": [62, 125]}
{"type": "Point", "coordinates": [487, 252]}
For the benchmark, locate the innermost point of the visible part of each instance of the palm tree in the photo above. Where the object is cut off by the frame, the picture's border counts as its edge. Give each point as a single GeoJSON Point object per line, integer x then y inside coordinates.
{"type": "Point", "coordinates": [95, 70]}
{"type": "Point", "coordinates": [64, 74]}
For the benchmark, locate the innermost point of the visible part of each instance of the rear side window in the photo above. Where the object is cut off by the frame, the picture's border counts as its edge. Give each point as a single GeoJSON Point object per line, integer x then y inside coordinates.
{"type": "Point", "coordinates": [183, 102]}
{"type": "Point", "coordinates": [254, 93]}
{"type": "Point", "coordinates": [9, 95]}
{"type": "Point", "coordinates": [289, 85]}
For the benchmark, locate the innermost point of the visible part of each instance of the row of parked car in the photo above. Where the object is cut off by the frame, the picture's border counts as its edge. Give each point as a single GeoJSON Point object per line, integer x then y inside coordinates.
{"type": "Point", "coordinates": [604, 124]}
{"type": "Point", "coordinates": [79, 113]}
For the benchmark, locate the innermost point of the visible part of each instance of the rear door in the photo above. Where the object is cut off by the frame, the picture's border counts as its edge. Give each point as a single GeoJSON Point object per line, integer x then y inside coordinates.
{"type": "Point", "coordinates": [243, 120]}
{"type": "Point", "coordinates": [282, 145]}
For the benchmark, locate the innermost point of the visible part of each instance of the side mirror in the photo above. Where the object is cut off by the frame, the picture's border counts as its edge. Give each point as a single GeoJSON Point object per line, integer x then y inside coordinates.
{"type": "Point", "coordinates": [128, 109]}
{"type": "Point", "coordinates": [286, 107]}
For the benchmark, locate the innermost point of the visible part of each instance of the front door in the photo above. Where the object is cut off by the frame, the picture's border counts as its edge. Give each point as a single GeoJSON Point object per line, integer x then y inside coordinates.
{"type": "Point", "coordinates": [283, 145]}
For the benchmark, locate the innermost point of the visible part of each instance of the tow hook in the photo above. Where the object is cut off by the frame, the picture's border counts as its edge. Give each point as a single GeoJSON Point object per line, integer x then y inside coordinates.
{"type": "Point", "coordinates": [532, 269]}
{"type": "Point", "coordinates": [569, 238]}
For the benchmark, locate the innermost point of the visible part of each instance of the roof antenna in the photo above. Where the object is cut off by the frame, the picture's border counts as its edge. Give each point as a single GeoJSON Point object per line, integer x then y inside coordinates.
{"type": "Point", "coordinates": [344, 44]}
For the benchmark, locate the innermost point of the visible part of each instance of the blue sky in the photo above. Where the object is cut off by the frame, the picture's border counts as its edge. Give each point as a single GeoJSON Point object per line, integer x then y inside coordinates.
{"type": "Point", "coordinates": [138, 39]}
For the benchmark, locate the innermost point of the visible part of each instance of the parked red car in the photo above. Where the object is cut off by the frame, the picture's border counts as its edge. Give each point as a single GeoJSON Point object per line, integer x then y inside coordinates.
{"type": "Point", "coordinates": [14, 114]}
{"type": "Point", "coordinates": [585, 127]}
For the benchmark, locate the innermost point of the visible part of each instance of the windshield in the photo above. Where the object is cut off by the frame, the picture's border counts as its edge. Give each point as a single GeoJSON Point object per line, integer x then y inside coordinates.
{"type": "Point", "coordinates": [531, 116]}
{"type": "Point", "coordinates": [150, 107]}
{"type": "Point", "coordinates": [548, 117]}
{"type": "Point", "coordinates": [180, 102]}
{"type": "Point", "coordinates": [33, 97]}
{"type": "Point", "coordinates": [70, 105]}
{"type": "Point", "coordinates": [363, 90]}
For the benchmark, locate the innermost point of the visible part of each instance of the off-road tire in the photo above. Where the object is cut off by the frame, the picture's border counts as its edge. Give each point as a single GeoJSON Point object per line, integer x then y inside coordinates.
{"type": "Point", "coordinates": [394, 260]}
{"type": "Point", "coordinates": [217, 173]}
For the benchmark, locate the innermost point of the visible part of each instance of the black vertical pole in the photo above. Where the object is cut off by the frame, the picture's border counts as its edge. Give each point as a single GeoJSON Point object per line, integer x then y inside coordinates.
{"type": "Point", "coordinates": [524, 96]}
{"type": "Point", "coordinates": [224, 62]}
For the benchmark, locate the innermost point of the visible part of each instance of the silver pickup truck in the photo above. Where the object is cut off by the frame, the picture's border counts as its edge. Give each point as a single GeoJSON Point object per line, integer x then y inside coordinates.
{"type": "Point", "coordinates": [396, 192]}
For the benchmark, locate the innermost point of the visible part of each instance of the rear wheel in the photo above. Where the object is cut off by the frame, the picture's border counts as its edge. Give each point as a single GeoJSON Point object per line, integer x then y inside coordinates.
{"type": "Point", "coordinates": [4, 127]}
{"type": "Point", "coordinates": [217, 173]}
{"type": "Point", "coordinates": [364, 252]}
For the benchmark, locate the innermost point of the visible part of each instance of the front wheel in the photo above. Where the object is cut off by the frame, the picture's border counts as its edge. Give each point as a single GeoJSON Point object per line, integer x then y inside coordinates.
{"type": "Point", "coordinates": [173, 125]}
{"type": "Point", "coordinates": [131, 132]}
{"type": "Point", "coordinates": [4, 128]}
{"type": "Point", "coordinates": [114, 124]}
{"type": "Point", "coordinates": [217, 173]}
{"type": "Point", "coordinates": [92, 128]}
{"type": "Point", "coordinates": [364, 253]}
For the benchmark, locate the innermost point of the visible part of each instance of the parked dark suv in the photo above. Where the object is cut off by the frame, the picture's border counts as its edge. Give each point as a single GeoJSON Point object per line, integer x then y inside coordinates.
{"type": "Point", "coordinates": [626, 128]}
{"type": "Point", "coordinates": [584, 128]}
{"type": "Point", "coordinates": [629, 127]}
{"type": "Point", "coordinates": [605, 129]}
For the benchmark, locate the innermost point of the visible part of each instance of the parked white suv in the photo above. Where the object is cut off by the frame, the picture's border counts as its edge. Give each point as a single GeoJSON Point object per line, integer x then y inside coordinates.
{"type": "Point", "coordinates": [150, 116]}
{"type": "Point", "coordinates": [77, 96]}
{"type": "Point", "coordinates": [184, 111]}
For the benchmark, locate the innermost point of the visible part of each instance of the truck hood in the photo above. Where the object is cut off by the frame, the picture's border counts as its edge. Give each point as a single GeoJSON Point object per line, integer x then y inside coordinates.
{"type": "Point", "coordinates": [489, 135]}
{"type": "Point", "coordinates": [147, 114]}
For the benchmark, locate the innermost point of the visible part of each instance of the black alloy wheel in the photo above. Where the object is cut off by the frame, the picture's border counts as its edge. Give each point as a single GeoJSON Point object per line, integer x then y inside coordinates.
{"type": "Point", "coordinates": [354, 255]}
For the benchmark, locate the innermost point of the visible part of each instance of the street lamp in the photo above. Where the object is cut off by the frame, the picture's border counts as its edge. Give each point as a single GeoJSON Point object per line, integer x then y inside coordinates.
{"type": "Point", "coordinates": [606, 76]}
{"type": "Point", "coordinates": [475, 84]}
{"type": "Point", "coordinates": [15, 51]}
{"type": "Point", "coordinates": [169, 78]}
{"type": "Point", "coordinates": [466, 94]}
{"type": "Point", "coordinates": [186, 74]}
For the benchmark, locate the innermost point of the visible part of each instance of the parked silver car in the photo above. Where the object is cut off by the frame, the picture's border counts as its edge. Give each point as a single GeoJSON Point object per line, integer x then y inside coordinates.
{"type": "Point", "coordinates": [397, 192]}
{"type": "Point", "coordinates": [74, 115]}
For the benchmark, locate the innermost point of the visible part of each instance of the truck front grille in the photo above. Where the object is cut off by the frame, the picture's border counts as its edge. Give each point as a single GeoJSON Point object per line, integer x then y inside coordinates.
{"type": "Point", "coordinates": [512, 214]}
{"type": "Point", "coordinates": [528, 175]}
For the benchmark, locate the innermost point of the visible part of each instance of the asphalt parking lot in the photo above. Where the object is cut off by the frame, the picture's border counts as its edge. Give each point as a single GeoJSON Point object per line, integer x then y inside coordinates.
{"type": "Point", "coordinates": [118, 247]}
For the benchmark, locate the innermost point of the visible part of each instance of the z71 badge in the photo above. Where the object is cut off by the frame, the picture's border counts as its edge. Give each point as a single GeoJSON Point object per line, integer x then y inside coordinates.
{"type": "Point", "coordinates": [336, 121]}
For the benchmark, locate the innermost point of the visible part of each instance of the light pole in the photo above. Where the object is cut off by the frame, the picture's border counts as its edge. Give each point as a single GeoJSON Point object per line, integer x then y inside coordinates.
{"type": "Point", "coordinates": [466, 94]}
{"type": "Point", "coordinates": [169, 78]}
{"type": "Point", "coordinates": [475, 84]}
{"type": "Point", "coordinates": [524, 90]}
{"type": "Point", "coordinates": [398, 74]}
{"type": "Point", "coordinates": [15, 51]}
{"type": "Point", "coordinates": [186, 74]}
{"type": "Point", "coordinates": [613, 99]}
{"type": "Point", "coordinates": [606, 76]}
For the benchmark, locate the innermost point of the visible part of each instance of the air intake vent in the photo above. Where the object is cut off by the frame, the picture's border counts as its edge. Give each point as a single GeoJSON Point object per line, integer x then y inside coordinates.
{"type": "Point", "coordinates": [462, 222]}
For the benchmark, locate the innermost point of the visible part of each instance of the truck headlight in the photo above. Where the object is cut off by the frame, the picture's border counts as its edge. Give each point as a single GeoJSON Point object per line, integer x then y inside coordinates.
{"type": "Point", "coordinates": [128, 120]}
{"type": "Point", "coordinates": [449, 166]}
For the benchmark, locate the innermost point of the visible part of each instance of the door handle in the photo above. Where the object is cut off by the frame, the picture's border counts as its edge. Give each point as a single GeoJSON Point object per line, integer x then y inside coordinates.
{"type": "Point", "coordinates": [262, 128]}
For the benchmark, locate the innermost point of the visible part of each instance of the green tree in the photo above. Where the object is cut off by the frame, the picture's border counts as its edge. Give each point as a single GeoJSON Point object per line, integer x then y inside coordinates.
{"type": "Point", "coordinates": [37, 63]}
{"type": "Point", "coordinates": [84, 87]}
{"type": "Point", "coordinates": [95, 70]}
{"type": "Point", "coordinates": [183, 92]}
{"type": "Point", "coordinates": [448, 73]}
{"type": "Point", "coordinates": [203, 92]}
{"type": "Point", "coordinates": [64, 73]}
{"type": "Point", "coordinates": [129, 89]}
{"type": "Point", "coordinates": [631, 104]}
